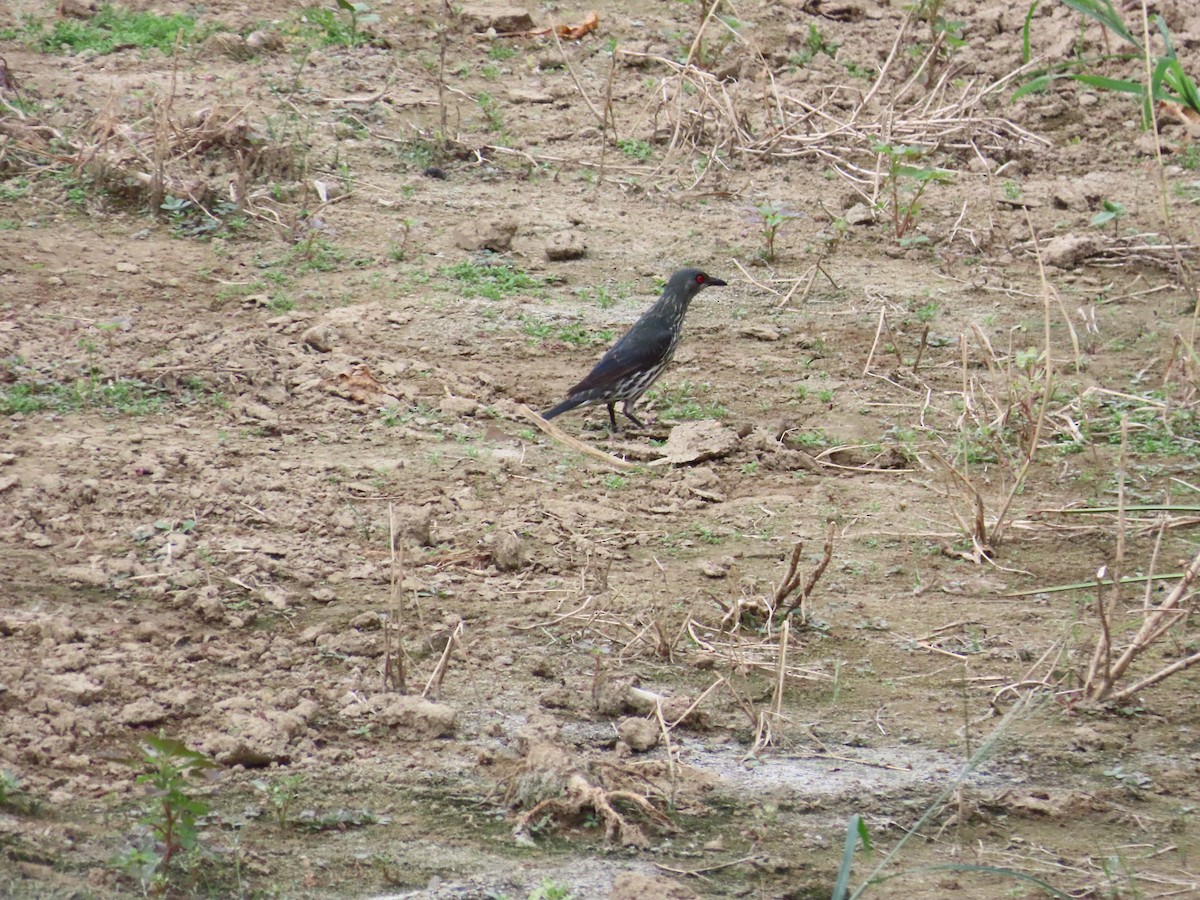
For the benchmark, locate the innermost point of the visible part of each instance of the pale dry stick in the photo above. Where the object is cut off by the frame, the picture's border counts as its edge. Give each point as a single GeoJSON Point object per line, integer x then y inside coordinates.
{"type": "Point", "coordinates": [875, 343]}
{"type": "Point", "coordinates": [668, 749]}
{"type": "Point", "coordinates": [1047, 391]}
{"type": "Point", "coordinates": [1106, 612]}
{"type": "Point", "coordinates": [878, 82]}
{"type": "Point", "coordinates": [1161, 619]}
{"type": "Point", "coordinates": [712, 11]}
{"type": "Point", "coordinates": [715, 867]}
{"type": "Point", "coordinates": [1162, 529]}
{"type": "Point", "coordinates": [600, 118]}
{"type": "Point", "coordinates": [394, 674]}
{"type": "Point", "coordinates": [434, 685]}
{"type": "Point", "coordinates": [574, 443]}
{"type": "Point", "coordinates": [575, 612]}
{"type": "Point", "coordinates": [978, 530]}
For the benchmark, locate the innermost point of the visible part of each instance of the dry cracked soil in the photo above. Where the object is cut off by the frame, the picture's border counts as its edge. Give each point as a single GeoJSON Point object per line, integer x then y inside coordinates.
{"type": "Point", "coordinates": [297, 599]}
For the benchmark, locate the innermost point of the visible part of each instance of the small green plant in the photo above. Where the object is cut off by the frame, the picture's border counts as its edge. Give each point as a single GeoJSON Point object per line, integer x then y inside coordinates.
{"type": "Point", "coordinates": [1012, 190]}
{"type": "Point", "coordinates": [1168, 80]}
{"type": "Point", "coordinates": [15, 188]}
{"type": "Point", "coordinates": [500, 52]}
{"type": "Point", "coordinates": [491, 112]}
{"type": "Point", "coordinates": [615, 482]}
{"type": "Point", "coordinates": [906, 182]}
{"type": "Point", "coordinates": [172, 809]}
{"type": "Point", "coordinates": [639, 150]}
{"type": "Point", "coordinates": [281, 795]}
{"type": "Point", "coordinates": [1110, 211]}
{"type": "Point", "coordinates": [551, 890]}
{"type": "Point", "coordinates": [814, 44]}
{"type": "Point", "coordinates": [686, 402]}
{"type": "Point", "coordinates": [359, 14]}
{"type": "Point", "coordinates": [114, 28]}
{"type": "Point", "coordinates": [326, 27]}
{"type": "Point", "coordinates": [771, 218]}
{"type": "Point", "coordinates": [493, 282]}
{"type": "Point", "coordinates": [13, 796]}
{"type": "Point", "coordinates": [189, 219]}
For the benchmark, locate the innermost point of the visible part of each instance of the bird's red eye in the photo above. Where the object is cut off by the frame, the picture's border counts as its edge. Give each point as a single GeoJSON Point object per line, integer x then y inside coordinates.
{"type": "Point", "coordinates": [699, 279]}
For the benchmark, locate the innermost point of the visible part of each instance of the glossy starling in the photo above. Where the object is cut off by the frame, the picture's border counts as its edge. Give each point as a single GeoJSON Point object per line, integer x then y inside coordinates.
{"type": "Point", "coordinates": [634, 362]}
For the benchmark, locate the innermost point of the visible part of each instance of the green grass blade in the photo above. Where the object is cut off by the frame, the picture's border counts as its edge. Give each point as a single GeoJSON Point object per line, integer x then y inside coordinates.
{"type": "Point", "coordinates": [856, 829]}
{"type": "Point", "coordinates": [1102, 11]}
{"type": "Point", "coordinates": [1032, 86]}
{"type": "Point", "coordinates": [1111, 84]}
{"type": "Point", "coordinates": [1026, 54]}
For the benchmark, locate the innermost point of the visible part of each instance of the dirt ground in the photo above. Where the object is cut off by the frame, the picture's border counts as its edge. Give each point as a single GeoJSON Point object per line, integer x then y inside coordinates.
{"type": "Point", "coordinates": [267, 487]}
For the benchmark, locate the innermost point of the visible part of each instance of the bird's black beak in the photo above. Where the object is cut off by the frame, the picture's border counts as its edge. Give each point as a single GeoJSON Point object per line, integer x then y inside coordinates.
{"type": "Point", "coordinates": [714, 282]}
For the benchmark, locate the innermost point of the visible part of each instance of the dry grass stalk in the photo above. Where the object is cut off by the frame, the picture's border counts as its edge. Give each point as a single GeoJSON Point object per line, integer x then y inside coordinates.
{"type": "Point", "coordinates": [841, 127]}
{"type": "Point", "coordinates": [579, 795]}
{"type": "Point", "coordinates": [433, 686]}
{"type": "Point", "coordinates": [746, 655]}
{"type": "Point", "coordinates": [395, 675]}
{"type": "Point", "coordinates": [574, 443]}
{"type": "Point", "coordinates": [791, 580]}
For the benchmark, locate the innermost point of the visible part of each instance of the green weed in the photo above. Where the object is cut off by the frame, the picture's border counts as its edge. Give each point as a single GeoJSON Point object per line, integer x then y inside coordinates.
{"type": "Point", "coordinates": [115, 28]}
{"type": "Point", "coordinates": [906, 182]}
{"type": "Point", "coordinates": [171, 812]}
{"type": "Point", "coordinates": [687, 402]}
{"type": "Point", "coordinates": [639, 150]}
{"type": "Point", "coordinates": [492, 282]}
{"type": "Point", "coordinates": [814, 44]}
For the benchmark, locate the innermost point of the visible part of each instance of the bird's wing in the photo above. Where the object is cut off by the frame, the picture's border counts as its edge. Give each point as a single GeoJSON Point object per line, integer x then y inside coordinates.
{"type": "Point", "coordinates": [626, 357]}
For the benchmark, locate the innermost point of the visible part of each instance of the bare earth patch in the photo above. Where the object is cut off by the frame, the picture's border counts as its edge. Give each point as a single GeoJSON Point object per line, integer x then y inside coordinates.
{"type": "Point", "coordinates": [276, 297]}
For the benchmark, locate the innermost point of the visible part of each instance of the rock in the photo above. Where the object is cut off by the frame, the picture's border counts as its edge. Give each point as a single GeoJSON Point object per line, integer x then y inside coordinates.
{"type": "Point", "coordinates": [509, 552]}
{"type": "Point", "coordinates": [697, 441]}
{"type": "Point", "coordinates": [640, 734]}
{"type": "Point", "coordinates": [564, 245]}
{"type": "Point", "coordinates": [76, 9]}
{"type": "Point", "coordinates": [859, 214]}
{"type": "Point", "coordinates": [264, 42]}
{"type": "Point", "coordinates": [413, 523]}
{"type": "Point", "coordinates": [127, 268]}
{"type": "Point", "coordinates": [501, 19]}
{"type": "Point", "coordinates": [527, 95]}
{"type": "Point", "coordinates": [1069, 250]}
{"type": "Point", "coordinates": [1067, 196]}
{"type": "Point", "coordinates": [711, 569]}
{"type": "Point", "coordinates": [319, 337]}
{"type": "Point", "coordinates": [486, 234]}
{"type": "Point", "coordinates": [414, 718]}
{"type": "Point", "coordinates": [76, 688]}
{"type": "Point", "coordinates": [142, 712]}
{"type": "Point", "coordinates": [226, 43]}
{"type": "Point", "coordinates": [635, 886]}
{"type": "Point", "coordinates": [458, 406]}
{"type": "Point", "coordinates": [760, 332]}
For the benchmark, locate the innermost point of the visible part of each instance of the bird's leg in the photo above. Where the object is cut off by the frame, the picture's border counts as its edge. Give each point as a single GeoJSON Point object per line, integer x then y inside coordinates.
{"type": "Point", "coordinates": [629, 415]}
{"type": "Point", "coordinates": [612, 418]}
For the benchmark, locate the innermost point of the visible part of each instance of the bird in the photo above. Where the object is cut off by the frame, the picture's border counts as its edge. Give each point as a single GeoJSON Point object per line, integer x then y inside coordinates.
{"type": "Point", "coordinates": [634, 362]}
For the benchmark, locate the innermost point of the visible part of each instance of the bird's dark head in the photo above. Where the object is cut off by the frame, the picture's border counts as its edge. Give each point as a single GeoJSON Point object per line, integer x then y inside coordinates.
{"type": "Point", "coordinates": [687, 283]}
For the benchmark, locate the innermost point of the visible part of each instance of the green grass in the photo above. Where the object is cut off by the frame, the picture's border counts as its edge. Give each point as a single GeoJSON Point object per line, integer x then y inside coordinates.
{"type": "Point", "coordinates": [575, 333]}
{"type": "Point", "coordinates": [492, 282]}
{"type": "Point", "coordinates": [639, 150]}
{"type": "Point", "coordinates": [33, 393]}
{"type": "Point", "coordinates": [114, 28]}
{"type": "Point", "coordinates": [326, 27]}
{"type": "Point", "coordinates": [688, 402]}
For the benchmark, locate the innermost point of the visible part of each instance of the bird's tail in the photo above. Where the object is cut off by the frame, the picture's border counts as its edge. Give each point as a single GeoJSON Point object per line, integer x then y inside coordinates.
{"type": "Point", "coordinates": [566, 406]}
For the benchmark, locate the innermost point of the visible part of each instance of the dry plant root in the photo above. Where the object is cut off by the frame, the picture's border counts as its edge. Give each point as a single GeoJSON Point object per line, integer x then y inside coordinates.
{"type": "Point", "coordinates": [581, 795]}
